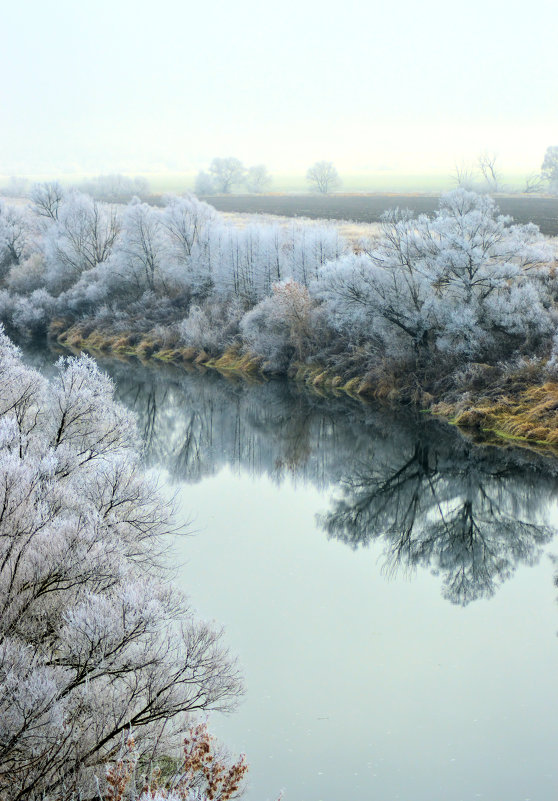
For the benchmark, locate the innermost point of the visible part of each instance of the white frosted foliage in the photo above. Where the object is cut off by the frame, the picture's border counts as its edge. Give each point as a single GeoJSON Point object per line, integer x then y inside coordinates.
{"type": "Point", "coordinates": [94, 639]}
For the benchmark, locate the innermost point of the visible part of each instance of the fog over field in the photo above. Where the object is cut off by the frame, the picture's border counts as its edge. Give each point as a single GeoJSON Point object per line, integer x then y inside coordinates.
{"type": "Point", "coordinates": [138, 87]}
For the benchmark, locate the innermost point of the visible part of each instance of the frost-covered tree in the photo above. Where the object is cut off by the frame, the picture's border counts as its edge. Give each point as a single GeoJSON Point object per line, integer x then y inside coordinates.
{"type": "Point", "coordinates": [81, 238]}
{"type": "Point", "coordinates": [258, 179]}
{"type": "Point", "coordinates": [94, 640]}
{"type": "Point", "coordinates": [47, 198]}
{"type": "Point", "coordinates": [533, 183]}
{"type": "Point", "coordinates": [488, 166]}
{"type": "Point", "coordinates": [187, 221]}
{"type": "Point", "coordinates": [549, 168]}
{"type": "Point", "coordinates": [15, 236]}
{"type": "Point", "coordinates": [323, 177]}
{"type": "Point", "coordinates": [464, 175]}
{"type": "Point", "coordinates": [463, 283]}
{"type": "Point", "coordinates": [226, 173]}
{"type": "Point", "coordinates": [141, 250]}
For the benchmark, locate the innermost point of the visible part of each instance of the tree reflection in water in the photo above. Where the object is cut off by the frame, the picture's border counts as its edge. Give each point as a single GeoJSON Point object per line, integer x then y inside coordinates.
{"type": "Point", "coordinates": [470, 514]}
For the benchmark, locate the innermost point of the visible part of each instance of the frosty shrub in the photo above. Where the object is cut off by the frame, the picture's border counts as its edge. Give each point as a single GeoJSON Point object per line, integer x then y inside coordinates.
{"type": "Point", "coordinates": [212, 327]}
{"type": "Point", "coordinates": [30, 315]}
{"type": "Point", "coordinates": [27, 276]}
{"type": "Point", "coordinates": [284, 326]}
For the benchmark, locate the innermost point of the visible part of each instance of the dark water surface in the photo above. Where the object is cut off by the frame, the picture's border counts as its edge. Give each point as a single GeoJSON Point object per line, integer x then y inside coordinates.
{"type": "Point", "coordinates": [387, 586]}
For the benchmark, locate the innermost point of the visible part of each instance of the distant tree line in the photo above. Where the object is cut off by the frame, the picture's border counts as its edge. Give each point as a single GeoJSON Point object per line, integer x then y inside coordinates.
{"type": "Point", "coordinates": [111, 188]}
{"type": "Point", "coordinates": [485, 175]}
{"type": "Point", "coordinates": [228, 174]}
{"type": "Point", "coordinates": [224, 174]}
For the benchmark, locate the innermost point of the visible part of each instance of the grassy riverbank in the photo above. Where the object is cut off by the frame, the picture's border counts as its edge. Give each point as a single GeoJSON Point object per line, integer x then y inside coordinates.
{"type": "Point", "coordinates": [148, 347]}
{"type": "Point", "coordinates": [516, 405]}
{"type": "Point", "coordinates": [529, 416]}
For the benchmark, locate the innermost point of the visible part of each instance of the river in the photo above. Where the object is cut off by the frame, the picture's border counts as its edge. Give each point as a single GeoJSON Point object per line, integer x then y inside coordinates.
{"type": "Point", "coordinates": [387, 586]}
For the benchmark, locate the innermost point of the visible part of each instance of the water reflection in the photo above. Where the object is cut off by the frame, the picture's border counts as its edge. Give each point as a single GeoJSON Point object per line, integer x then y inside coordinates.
{"type": "Point", "coordinates": [469, 514]}
{"type": "Point", "coordinates": [357, 686]}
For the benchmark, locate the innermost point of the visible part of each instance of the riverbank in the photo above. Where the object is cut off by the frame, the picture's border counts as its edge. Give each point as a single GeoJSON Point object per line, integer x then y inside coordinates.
{"type": "Point", "coordinates": [502, 405]}
{"type": "Point", "coordinates": [455, 314]}
{"type": "Point", "coordinates": [530, 415]}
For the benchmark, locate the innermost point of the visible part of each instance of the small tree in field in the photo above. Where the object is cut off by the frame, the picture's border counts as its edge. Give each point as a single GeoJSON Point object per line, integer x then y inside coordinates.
{"type": "Point", "coordinates": [490, 172]}
{"type": "Point", "coordinates": [323, 177]}
{"type": "Point", "coordinates": [258, 179]}
{"type": "Point", "coordinates": [549, 169]}
{"type": "Point", "coordinates": [226, 173]}
{"type": "Point", "coordinates": [464, 175]}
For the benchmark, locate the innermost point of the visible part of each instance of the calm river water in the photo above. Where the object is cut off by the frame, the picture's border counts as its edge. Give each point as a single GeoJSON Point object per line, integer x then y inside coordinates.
{"type": "Point", "coordinates": [387, 586]}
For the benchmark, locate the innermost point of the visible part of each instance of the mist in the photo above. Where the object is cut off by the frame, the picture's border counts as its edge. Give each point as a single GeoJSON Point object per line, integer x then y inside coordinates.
{"type": "Point", "coordinates": [161, 89]}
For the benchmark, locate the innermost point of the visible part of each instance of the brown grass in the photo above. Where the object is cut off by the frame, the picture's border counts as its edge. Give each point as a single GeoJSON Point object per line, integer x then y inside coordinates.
{"type": "Point", "coordinates": [531, 415]}
{"type": "Point", "coordinates": [513, 406]}
{"type": "Point", "coordinates": [148, 347]}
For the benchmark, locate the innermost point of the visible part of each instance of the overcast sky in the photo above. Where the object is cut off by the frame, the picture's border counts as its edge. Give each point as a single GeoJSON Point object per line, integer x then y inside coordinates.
{"type": "Point", "coordinates": [134, 86]}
